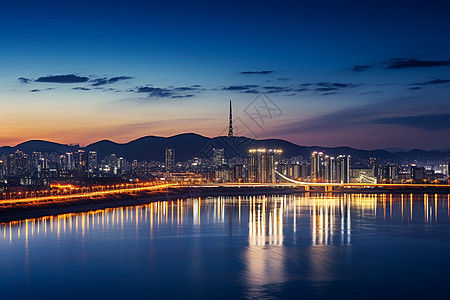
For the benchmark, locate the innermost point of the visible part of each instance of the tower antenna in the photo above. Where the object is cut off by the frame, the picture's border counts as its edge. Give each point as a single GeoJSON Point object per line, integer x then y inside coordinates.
{"type": "Point", "coordinates": [230, 123]}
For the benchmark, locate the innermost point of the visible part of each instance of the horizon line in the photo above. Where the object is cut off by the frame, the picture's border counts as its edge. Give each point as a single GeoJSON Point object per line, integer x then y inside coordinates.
{"type": "Point", "coordinates": [83, 146]}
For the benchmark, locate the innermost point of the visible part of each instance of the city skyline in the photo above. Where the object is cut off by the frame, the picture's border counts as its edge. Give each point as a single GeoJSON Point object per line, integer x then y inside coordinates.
{"type": "Point", "coordinates": [120, 72]}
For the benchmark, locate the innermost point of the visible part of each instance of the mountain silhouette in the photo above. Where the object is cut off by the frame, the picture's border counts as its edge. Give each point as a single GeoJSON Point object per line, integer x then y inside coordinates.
{"type": "Point", "coordinates": [189, 145]}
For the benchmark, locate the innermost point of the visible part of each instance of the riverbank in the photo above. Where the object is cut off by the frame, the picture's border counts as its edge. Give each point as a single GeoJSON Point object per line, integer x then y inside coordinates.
{"type": "Point", "coordinates": [21, 212]}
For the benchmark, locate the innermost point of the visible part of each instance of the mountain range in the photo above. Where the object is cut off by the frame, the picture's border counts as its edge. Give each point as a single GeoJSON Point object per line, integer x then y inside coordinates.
{"type": "Point", "coordinates": [189, 145]}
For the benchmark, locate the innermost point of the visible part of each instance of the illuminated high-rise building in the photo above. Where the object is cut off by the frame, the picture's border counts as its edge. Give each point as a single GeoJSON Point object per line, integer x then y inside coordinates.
{"type": "Point", "coordinates": [261, 164]}
{"type": "Point", "coordinates": [326, 168]}
{"type": "Point", "coordinates": [317, 162]}
{"type": "Point", "coordinates": [35, 159]}
{"type": "Point", "coordinates": [391, 171]}
{"type": "Point", "coordinates": [343, 168]}
{"type": "Point", "coordinates": [294, 171]}
{"type": "Point", "coordinates": [304, 171]}
{"type": "Point", "coordinates": [418, 174]}
{"type": "Point", "coordinates": [112, 163]}
{"type": "Point", "coordinates": [170, 159]}
{"type": "Point", "coordinates": [70, 161]}
{"type": "Point", "coordinates": [330, 173]}
{"type": "Point", "coordinates": [92, 162]}
{"type": "Point", "coordinates": [62, 162]}
{"type": "Point", "coordinates": [80, 162]}
{"type": "Point", "coordinates": [2, 169]}
{"type": "Point", "coordinates": [252, 165]}
{"type": "Point", "coordinates": [122, 165]}
{"type": "Point", "coordinates": [238, 173]}
{"type": "Point", "coordinates": [375, 166]}
{"type": "Point", "coordinates": [38, 164]}
{"type": "Point", "coordinates": [17, 164]}
{"type": "Point", "coordinates": [134, 165]}
{"type": "Point", "coordinates": [218, 157]}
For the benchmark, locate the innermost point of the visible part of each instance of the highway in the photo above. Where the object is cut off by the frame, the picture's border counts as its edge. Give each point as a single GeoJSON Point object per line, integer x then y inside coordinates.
{"type": "Point", "coordinates": [89, 194]}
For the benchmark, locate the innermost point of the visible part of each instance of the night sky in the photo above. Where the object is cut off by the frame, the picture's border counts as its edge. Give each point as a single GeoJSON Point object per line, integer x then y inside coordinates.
{"type": "Point", "coordinates": [365, 74]}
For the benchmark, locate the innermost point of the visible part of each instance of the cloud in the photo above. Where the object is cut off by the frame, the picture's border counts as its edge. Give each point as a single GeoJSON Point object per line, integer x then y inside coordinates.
{"type": "Point", "coordinates": [436, 81]}
{"type": "Point", "coordinates": [337, 84]}
{"type": "Point", "coordinates": [359, 68]}
{"type": "Point", "coordinates": [70, 78]}
{"type": "Point", "coordinates": [326, 89]}
{"type": "Point", "coordinates": [415, 88]}
{"type": "Point", "coordinates": [343, 85]}
{"type": "Point", "coordinates": [251, 91]}
{"type": "Point", "coordinates": [432, 122]}
{"type": "Point", "coordinates": [283, 79]}
{"type": "Point", "coordinates": [155, 92]}
{"type": "Point", "coordinates": [276, 89]}
{"type": "Point", "coordinates": [240, 87]}
{"type": "Point", "coordinates": [330, 87]}
{"type": "Point", "coordinates": [400, 63]}
{"type": "Point", "coordinates": [101, 83]}
{"type": "Point", "coordinates": [170, 92]}
{"type": "Point", "coordinates": [256, 72]}
{"type": "Point", "coordinates": [187, 88]}
{"type": "Point", "coordinates": [183, 96]}
{"type": "Point", "coordinates": [24, 80]}
{"type": "Point", "coordinates": [104, 80]}
{"type": "Point", "coordinates": [145, 89]}
{"type": "Point", "coordinates": [41, 90]}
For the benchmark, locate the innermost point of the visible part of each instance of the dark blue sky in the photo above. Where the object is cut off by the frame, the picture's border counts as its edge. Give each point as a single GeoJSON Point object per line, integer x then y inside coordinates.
{"type": "Point", "coordinates": [368, 74]}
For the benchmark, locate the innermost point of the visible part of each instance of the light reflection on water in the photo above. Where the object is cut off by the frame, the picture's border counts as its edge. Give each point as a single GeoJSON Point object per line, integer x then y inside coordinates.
{"type": "Point", "coordinates": [264, 244]}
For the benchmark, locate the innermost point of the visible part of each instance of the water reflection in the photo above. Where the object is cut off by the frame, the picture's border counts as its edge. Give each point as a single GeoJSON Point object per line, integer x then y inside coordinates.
{"type": "Point", "coordinates": [265, 224]}
{"type": "Point", "coordinates": [265, 264]}
{"type": "Point", "coordinates": [329, 217]}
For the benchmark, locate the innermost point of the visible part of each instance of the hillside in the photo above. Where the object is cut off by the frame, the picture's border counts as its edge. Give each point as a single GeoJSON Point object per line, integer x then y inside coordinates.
{"type": "Point", "coordinates": [189, 145]}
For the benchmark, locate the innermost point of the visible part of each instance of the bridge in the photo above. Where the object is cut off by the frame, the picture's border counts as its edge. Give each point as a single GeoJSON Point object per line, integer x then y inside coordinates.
{"type": "Point", "coordinates": [330, 185]}
{"type": "Point", "coordinates": [327, 186]}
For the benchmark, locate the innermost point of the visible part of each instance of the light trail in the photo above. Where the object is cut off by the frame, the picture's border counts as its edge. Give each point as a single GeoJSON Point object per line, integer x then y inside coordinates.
{"type": "Point", "coordinates": [68, 197]}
